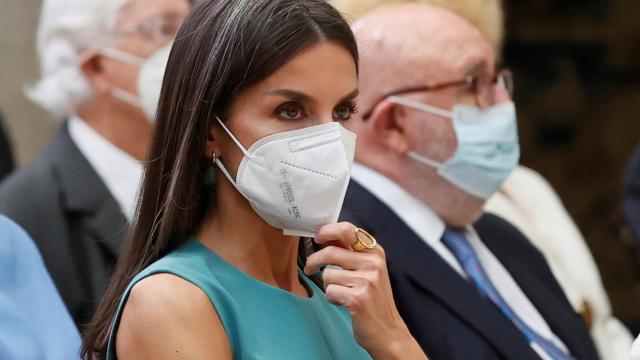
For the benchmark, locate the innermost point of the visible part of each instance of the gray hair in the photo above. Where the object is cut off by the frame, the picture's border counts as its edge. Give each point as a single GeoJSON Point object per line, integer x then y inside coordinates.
{"type": "Point", "coordinates": [67, 28]}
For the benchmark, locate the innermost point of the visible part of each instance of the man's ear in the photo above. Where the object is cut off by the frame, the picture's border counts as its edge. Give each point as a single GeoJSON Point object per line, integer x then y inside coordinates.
{"type": "Point", "coordinates": [389, 126]}
{"type": "Point", "coordinates": [91, 68]}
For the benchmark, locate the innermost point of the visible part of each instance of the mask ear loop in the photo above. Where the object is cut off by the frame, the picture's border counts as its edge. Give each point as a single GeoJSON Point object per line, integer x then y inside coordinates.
{"type": "Point", "coordinates": [228, 176]}
{"type": "Point", "coordinates": [425, 160]}
{"type": "Point", "coordinates": [221, 166]}
{"type": "Point", "coordinates": [119, 55]}
{"type": "Point", "coordinates": [421, 107]}
{"type": "Point", "coordinates": [127, 97]}
{"type": "Point", "coordinates": [122, 56]}
{"type": "Point", "coordinates": [429, 109]}
{"type": "Point", "coordinates": [244, 151]}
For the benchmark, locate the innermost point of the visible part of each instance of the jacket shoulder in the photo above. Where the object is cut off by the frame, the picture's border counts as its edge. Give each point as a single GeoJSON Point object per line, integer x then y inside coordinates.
{"type": "Point", "coordinates": [33, 189]}
{"type": "Point", "coordinates": [494, 231]}
{"type": "Point", "coordinates": [514, 249]}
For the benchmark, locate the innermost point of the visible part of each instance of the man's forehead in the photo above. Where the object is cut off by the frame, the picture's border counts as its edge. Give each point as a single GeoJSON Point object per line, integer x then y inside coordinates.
{"type": "Point", "coordinates": [449, 62]}
{"type": "Point", "coordinates": [426, 43]}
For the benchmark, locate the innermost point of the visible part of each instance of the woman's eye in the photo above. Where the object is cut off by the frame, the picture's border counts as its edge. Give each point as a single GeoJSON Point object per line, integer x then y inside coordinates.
{"type": "Point", "coordinates": [344, 112]}
{"type": "Point", "coordinates": [290, 111]}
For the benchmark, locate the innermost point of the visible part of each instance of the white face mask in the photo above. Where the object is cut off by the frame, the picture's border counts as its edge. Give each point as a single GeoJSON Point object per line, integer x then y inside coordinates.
{"type": "Point", "coordinates": [149, 78]}
{"type": "Point", "coordinates": [296, 180]}
{"type": "Point", "coordinates": [488, 148]}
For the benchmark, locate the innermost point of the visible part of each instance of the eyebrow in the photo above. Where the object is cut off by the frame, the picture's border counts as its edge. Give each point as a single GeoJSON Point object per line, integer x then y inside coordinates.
{"type": "Point", "coordinates": [302, 97]}
{"type": "Point", "coordinates": [291, 94]}
{"type": "Point", "coordinates": [350, 96]}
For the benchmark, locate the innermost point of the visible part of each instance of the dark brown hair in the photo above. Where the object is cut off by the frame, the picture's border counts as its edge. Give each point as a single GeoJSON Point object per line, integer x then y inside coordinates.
{"type": "Point", "coordinates": [223, 47]}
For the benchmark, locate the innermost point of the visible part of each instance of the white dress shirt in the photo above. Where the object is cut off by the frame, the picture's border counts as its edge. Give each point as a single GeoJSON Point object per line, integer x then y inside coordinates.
{"type": "Point", "coordinates": [539, 213]}
{"type": "Point", "coordinates": [121, 173]}
{"type": "Point", "coordinates": [430, 228]}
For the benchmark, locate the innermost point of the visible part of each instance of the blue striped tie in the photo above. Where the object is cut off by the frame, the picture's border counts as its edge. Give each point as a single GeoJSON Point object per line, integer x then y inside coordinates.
{"type": "Point", "coordinates": [456, 242]}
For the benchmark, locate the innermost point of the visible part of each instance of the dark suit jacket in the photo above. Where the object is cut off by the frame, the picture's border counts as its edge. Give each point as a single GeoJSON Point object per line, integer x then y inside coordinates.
{"type": "Point", "coordinates": [76, 223]}
{"type": "Point", "coordinates": [444, 312]}
{"type": "Point", "coordinates": [6, 154]}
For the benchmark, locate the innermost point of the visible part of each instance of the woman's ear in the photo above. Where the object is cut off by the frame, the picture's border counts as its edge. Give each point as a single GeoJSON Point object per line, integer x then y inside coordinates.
{"type": "Point", "coordinates": [91, 68]}
{"type": "Point", "coordinates": [211, 146]}
{"type": "Point", "coordinates": [389, 123]}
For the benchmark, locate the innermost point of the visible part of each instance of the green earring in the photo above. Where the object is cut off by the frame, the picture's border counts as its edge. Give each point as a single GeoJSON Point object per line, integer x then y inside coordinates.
{"type": "Point", "coordinates": [210, 176]}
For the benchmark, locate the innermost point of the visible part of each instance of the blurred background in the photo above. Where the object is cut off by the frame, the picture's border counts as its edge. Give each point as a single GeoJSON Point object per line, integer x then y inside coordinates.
{"type": "Point", "coordinates": [29, 126]}
{"type": "Point", "coordinates": [576, 65]}
{"type": "Point", "coordinates": [577, 69]}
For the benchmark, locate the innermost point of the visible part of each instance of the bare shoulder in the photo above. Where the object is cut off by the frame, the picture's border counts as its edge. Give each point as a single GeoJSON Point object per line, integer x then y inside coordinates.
{"type": "Point", "coordinates": [167, 317]}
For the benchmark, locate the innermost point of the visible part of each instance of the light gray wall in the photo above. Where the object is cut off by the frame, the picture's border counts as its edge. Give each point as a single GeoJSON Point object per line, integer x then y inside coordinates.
{"type": "Point", "coordinates": [29, 126]}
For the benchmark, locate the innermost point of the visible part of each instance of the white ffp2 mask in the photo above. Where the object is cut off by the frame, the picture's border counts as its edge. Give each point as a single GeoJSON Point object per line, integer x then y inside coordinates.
{"type": "Point", "coordinates": [296, 180]}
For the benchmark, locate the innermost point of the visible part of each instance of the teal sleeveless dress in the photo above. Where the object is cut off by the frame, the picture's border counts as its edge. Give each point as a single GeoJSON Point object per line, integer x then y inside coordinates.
{"type": "Point", "coordinates": [261, 321]}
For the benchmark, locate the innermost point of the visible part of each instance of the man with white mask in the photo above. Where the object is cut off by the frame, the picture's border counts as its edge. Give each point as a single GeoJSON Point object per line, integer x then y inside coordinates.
{"type": "Point", "coordinates": [102, 64]}
{"type": "Point", "coordinates": [437, 136]}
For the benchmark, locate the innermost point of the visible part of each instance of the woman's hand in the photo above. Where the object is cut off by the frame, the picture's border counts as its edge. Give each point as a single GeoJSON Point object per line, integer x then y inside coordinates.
{"type": "Point", "coordinates": [361, 284]}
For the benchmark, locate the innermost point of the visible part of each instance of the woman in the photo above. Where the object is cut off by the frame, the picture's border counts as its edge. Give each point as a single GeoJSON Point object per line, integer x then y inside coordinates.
{"type": "Point", "coordinates": [255, 89]}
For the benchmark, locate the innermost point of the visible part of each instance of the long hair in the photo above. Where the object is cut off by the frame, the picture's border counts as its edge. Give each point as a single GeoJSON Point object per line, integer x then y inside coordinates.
{"type": "Point", "coordinates": [223, 47]}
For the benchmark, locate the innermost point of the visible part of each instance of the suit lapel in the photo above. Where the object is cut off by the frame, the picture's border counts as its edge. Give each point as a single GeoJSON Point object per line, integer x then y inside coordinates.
{"type": "Point", "coordinates": [416, 260]}
{"type": "Point", "coordinates": [86, 195]}
{"type": "Point", "coordinates": [548, 301]}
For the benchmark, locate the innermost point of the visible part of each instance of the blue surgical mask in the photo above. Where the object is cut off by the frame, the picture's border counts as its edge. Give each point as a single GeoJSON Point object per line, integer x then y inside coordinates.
{"type": "Point", "coordinates": [488, 148]}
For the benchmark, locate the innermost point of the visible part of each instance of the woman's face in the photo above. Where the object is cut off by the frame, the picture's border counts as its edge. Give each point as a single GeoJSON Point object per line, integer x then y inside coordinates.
{"type": "Point", "coordinates": [317, 86]}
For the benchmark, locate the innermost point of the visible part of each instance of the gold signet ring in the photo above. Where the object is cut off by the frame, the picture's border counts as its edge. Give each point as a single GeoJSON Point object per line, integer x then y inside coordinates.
{"type": "Point", "coordinates": [364, 241]}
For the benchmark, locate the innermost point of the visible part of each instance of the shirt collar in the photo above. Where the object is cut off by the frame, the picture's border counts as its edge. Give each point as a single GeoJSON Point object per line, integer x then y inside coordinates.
{"type": "Point", "coordinates": [417, 215]}
{"type": "Point", "coordinates": [121, 173]}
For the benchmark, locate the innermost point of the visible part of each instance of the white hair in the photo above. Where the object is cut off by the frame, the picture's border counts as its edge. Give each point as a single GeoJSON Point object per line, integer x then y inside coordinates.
{"type": "Point", "coordinates": [67, 28]}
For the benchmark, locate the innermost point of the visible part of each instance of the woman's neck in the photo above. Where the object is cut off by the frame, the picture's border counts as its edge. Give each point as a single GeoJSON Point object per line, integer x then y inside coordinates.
{"type": "Point", "coordinates": [237, 234]}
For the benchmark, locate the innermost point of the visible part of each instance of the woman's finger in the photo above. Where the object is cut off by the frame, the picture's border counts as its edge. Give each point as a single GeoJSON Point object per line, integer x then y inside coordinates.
{"type": "Point", "coordinates": [331, 255]}
{"type": "Point", "coordinates": [339, 295]}
{"type": "Point", "coordinates": [342, 232]}
{"type": "Point", "coordinates": [341, 277]}
{"type": "Point", "coordinates": [343, 235]}
{"type": "Point", "coordinates": [346, 259]}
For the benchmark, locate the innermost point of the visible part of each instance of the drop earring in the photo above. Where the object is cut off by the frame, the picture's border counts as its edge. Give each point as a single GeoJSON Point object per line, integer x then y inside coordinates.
{"type": "Point", "coordinates": [210, 176]}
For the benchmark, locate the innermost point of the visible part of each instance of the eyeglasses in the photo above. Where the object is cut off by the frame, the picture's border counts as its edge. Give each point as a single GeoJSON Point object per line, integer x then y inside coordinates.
{"type": "Point", "coordinates": [161, 29]}
{"type": "Point", "coordinates": [481, 87]}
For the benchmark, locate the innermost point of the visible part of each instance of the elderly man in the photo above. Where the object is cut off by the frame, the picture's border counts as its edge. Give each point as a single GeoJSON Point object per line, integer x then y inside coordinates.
{"type": "Point", "coordinates": [437, 137]}
{"type": "Point", "coordinates": [529, 203]}
{"type": "Point", "coordinates": [102, 64]}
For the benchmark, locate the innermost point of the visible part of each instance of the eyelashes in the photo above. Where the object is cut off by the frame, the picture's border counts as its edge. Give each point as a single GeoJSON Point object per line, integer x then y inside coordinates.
{"type": "Point", "coordinates": [353, 107]}
{"type": "Point", "coordinates": [345, 111]}
{"type": "Point", "coordinates": [291, 111]}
